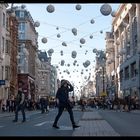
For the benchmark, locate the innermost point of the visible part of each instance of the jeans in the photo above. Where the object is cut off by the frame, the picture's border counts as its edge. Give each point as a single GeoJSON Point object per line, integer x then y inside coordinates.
{"type": "Point", "coordinates": [18, 108]}
{"type": "Point", "coordinates": [60, 111]}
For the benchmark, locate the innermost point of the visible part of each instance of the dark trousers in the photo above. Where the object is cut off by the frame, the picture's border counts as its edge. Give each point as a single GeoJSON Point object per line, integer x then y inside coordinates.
{"type": "Point", "coordinates": [18, 108]}
{"type": "Point", "coordinates": [60, 111]}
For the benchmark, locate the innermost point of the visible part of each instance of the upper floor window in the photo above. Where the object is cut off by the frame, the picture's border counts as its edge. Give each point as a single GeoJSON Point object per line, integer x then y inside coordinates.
{"type": "Point", "coordinates": [21, 26]}
{"type": "Point", "coordinates": [133, 69]}
{"type": "Point", "coordinates": [22, 36]}
{"type": "Point", "coordinates": [7, 23]}
{"type": "Point", "coordinates": [127, 73]}
{"type": "Point", "coordinates": [121, 75]}
{"type": "Point", "coordinates": [3, 44]}
{"type": "Point", "coordinates": [4, 19]}
{"type": "Point", "coordinates": [21, 14]}
{"type": "Point", "coordinates": [7, 47]}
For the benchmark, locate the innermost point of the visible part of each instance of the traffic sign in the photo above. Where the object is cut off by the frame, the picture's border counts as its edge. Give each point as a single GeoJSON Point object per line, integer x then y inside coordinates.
{"type": "Point", "coordinates": [2, 82]}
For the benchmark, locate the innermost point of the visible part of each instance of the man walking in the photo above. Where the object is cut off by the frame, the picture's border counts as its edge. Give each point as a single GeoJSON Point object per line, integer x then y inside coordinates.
{"type": "Point", "coordinates": [20, 105]}
{"type": "Point", "coordinates": [63, 102]}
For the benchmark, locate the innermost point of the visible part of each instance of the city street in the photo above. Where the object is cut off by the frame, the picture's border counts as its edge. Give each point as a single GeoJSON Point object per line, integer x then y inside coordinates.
{"type": "Point", "coordinates": [38, 124]}
{"type": "Point", "coordinates": [123, 123]}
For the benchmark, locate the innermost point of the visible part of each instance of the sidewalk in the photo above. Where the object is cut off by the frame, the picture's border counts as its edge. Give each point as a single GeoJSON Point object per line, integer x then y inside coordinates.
{"type": "Point", "coordinates": [9, 114]}
{"type": "Point", "coordinates": [92, 124]}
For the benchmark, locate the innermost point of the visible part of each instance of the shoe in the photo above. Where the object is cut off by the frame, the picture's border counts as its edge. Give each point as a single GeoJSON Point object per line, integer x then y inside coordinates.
{"type": "Point", "coordinates": [14, 120]}
{"type": "Point", "coordinates": [75, 126]}
{"type": "Point", "coordinates": [55, 126]}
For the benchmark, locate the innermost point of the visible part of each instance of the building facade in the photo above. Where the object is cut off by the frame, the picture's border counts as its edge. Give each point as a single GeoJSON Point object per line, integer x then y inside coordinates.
{"type": "Point", "coordinates": [123, 49]}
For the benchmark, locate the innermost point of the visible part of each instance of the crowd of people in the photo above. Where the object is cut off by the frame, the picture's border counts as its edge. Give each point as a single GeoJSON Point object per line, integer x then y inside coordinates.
{"type": "Point", "coordinates": [127, 103]}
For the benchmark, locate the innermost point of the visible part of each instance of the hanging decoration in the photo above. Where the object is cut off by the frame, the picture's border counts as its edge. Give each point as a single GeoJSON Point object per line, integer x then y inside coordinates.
{"type": "Point", "coordinates": [73, 54]}
{"type": "Point", "coordinates": [74, 31]}
{"type": "Point", "coordinates": [82, 41]}
{"type": "Point", "coordinates": [44, 40]}
{"type": "Point", "coordinates": [106, 9]}
{"type": "Point", "coordinates": [92, 21]}
{"type": "Point", "coordinates": [78, 7]}
{"type": "Point", "coordinates": [50, 8]}
{"type": "Point", "coordinates": [37, 24]}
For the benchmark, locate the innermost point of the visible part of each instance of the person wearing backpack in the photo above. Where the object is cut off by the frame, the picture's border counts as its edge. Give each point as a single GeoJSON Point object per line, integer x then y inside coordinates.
{"type": "Point", "coordinates": [20, 105]}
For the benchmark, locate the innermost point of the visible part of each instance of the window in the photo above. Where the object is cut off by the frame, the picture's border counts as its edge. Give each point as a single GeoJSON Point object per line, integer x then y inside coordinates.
{"type": "Point", "coordinates": [7, 72]}
{"type": "Point", "coordinates": [21, 27]}
{"type": "Point", "coordinates": [133, 70]}
{"type": "Point", "coordinates": [3, 44]}
{"type": "Point", "coordinates": [21, 14]}
{"type": "Point", "coordinates": [22, 36]}
{"type": "Point", "coordinates": [7, 47]}
{"type": "Point", "coordinates": [127, 73]}
{"type": "Point", "coordinates": [3, 19]}
{"type": "Point", "coordinates": [121, 75]}
{"type": "Point", "coordinates": [7, 23]}
{"type": "Point", "coordinates": [2, 73]}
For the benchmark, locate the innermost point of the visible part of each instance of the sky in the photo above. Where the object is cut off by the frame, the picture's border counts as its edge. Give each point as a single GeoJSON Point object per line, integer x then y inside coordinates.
{"type": "Point", "coordinates": [61, 21]}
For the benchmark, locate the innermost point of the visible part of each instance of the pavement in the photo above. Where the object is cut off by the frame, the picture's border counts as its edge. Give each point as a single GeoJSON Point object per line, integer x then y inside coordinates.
{"type": "Point", "coordinates": [91, 123]}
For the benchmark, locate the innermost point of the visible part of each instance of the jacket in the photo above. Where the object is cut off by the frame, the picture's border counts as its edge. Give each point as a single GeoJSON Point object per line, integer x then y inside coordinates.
{"type": "Point", "coordinates": [63, 95]}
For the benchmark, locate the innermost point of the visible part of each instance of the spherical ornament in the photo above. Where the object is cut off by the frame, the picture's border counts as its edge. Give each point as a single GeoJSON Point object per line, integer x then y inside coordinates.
{"type": "Point", "coordinates": [64, 44]}
{"type": "Point", "coordinates": [113, 14]}
{"type": "Point", "coordinates": [58, 35]}
{"type": "Point", "coordinates": [82, 41]}
{"type": "Point", "coordinates": [91, 36]}
{"type": "Point", "coordinates": [74, 31]}
{"type": "Point", "coordinates": [92, 21]}
{"type": "Point", "coordinates": [101, 31]}
{"type": "Point", "coordinates": [37, 24]}
{"type": "Point", "coordinates": [78, 7]}
{"type": "Point", "coordinates": [62, 62]}
{"type": "Point", "coordinates": [50, 8]}
{"type": "Point", "coordinates": [68, 65]}
{"type": "Point", "coordinates": [106, 9]}
{"type": "Point", "coordinates": [44, 40]}
{"type": "Point", "coordinates": [94, 50]}
{"type": "Point", "coordinates": [51, 51]}
{"type": "Point", "coordinates": [61, 52]}
{"type": "Point", "coordinates": [23, 6]}
{"type": "Point", "coordinates": [57, 28]}
{"type": "Point", "coordinates": [87, 62]}
{"type": "Point", "coordinates": [73, 54]}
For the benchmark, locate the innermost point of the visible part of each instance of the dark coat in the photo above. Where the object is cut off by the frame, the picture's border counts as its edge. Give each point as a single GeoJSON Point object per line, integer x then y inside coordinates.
{"type": "Point", "coordinates": [63, 95]}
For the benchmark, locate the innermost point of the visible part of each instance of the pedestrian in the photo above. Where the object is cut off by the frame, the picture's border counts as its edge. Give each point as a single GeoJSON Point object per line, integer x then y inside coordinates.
{"type": "Point", "coordinates": [20, 105]}
{"type": "Point", "coordinates": [63, 102]}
